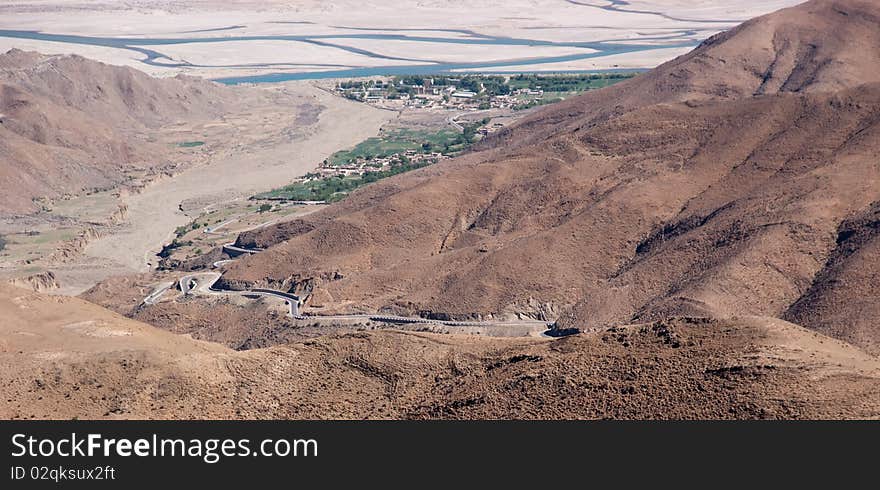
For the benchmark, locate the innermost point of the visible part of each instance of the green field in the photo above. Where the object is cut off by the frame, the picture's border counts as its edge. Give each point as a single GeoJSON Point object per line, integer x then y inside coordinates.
{"type": "Point", "coordinates": [332, 189]}
{"type": "Point", "coordinates": [190, 144]}
{"type": "Point", "coordinates": [399, 141]}
{"type": "Point", "coordinates": [529, 102]}
{"type": "Point", "coordinates": [557, 88]}
{"type": "Point", "coordinates": [567, 83]}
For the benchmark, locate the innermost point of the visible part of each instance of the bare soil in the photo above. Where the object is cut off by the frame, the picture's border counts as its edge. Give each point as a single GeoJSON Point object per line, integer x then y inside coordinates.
{"type": "Point", "coordinates": [65, 358]}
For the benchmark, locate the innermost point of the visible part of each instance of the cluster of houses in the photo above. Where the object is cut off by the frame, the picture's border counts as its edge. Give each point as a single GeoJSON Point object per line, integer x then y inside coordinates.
{"type": "Point", "coordinates": [428, 95]}
{"type": "Point", "coordinates": [362, 165]}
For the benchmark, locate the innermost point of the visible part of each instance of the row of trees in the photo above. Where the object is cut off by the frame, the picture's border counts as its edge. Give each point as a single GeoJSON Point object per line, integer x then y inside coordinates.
{"type": "Point", "coordinates": [336, 187]}
{"type": "Point", "coordinates": [362, 84]}
{"type": "Point", "coordinates": [566, 83]}
{"type": "Point", "coordinates": [492, 84]}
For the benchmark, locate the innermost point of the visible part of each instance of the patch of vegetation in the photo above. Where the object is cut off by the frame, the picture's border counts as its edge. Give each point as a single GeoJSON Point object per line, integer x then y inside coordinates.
{"type": "Point", "coordinates": [493, 85]}
{"type": "Point", "coordinates": [175, 244]}
{"type": "Point", "coordinates": [335, 188]}
{"type": "Point", "coordinates": [2, 243]}
{"type": "Point", "coordinates": [190, 144]}
{"type": "Point", "coordinates": [445, 141]}
{"type": "Point", "coordinates": [536, 102]}
{"type": "Point", "coordinates": [567, 83]}
{"type": "Point", "coordinates": [183, 230]}
{"type": "Point", "coordinates": [487, 84]}
{"type": "Point", "coordinates": [316, 187]}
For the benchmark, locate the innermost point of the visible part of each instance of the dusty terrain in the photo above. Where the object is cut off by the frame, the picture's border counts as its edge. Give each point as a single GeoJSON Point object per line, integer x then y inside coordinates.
{"type": "Point", "coordinates": [842, 300]}
{"type": "Point", "coordinates": [277, 156]}
{"type": "Point", "coordinates": [101, 163]}
{"type": "Point", "coordinates": [66, 358]}
{"type": "Point", "coordinates": [70, 124]}
{"type": "Point", "coordinates": [228, 39]}
{"type": "Point", "coordinates": [717, 184]}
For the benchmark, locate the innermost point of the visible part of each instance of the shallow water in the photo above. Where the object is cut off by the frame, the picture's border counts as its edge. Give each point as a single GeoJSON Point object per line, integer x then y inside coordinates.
{"type": "Point", "coordinates": [153, 56]}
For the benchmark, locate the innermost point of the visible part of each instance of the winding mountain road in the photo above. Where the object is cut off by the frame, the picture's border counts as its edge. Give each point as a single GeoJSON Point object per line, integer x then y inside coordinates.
{"type": "Point", "coordinates": [234, 251]}
{"type": "Point", "coordinates": [202, 283]}
{"type": "Point", "coordinates": [158, 292]}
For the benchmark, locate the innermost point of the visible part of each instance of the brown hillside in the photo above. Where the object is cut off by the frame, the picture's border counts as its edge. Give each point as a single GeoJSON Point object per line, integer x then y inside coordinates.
{"type": "Point", "coordinates": [842, 302]}
{"type": "Point", "coordinates": [818, 46]}
{"type": "Point", "coordinates": [725, 204]}
{"type": "Point", "coordinates": [65, 358]}
{"type": "Point", "coordinates": [671, 199]}
{"type": "Point", "coordinates": [69, 124]}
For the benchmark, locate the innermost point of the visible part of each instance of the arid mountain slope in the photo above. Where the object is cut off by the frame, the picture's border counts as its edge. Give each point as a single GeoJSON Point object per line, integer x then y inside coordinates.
{"type": "Point", "coordinates": [842, 302]}
{"type": "Point", "coordinates": [68, 123]}
{"type": "Point", "coordinates": [818, 46]}
{"type": "Point", "coordinates": [727, 203]}
{"type": "Point", "coordinates": [657, 201]}
{"type": "Point", "coordinates": [65, 358]}
{"type": "Point", "coordinates": [751, 237]}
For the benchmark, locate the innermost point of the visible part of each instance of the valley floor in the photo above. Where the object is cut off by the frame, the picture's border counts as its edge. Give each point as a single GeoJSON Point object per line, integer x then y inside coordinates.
{"type": "Point", "coordinates": [244, 154]}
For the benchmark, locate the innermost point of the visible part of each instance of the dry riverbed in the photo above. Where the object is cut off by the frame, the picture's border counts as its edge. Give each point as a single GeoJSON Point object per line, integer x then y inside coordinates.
{"type": "Point", "coordinates": [238, 156]}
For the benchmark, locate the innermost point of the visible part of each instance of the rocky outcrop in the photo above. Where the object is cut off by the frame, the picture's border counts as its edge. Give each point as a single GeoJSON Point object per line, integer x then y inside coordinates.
{"type": "Point", "coordinates": [71, 249]}
{"type": "Point", "coordinates": [40, 282]}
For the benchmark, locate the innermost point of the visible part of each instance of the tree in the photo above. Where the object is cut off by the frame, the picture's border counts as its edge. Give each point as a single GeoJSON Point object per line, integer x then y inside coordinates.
{"type": "Point", "coordinates": [265, 207]}
{"type": "Point", "coordinates": [2, 242]}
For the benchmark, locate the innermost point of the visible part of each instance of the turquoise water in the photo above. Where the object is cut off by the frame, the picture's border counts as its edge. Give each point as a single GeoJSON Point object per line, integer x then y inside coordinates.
{"type": "Point", "coordinates": [432, 69]}
{"type": "Point", "coordinates": [150, 48]}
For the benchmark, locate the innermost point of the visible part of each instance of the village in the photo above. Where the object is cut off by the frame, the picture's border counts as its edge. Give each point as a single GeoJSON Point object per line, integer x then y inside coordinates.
{"type": "Point", "coordinates": [361, 164]}
{"type": "Point", "coordinates": [439, 117]}
{"type": "Point", "coordinates": [474, 92]}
